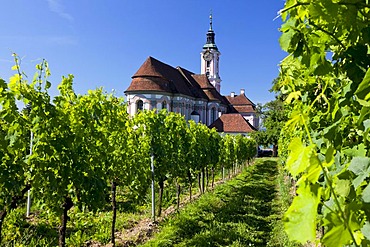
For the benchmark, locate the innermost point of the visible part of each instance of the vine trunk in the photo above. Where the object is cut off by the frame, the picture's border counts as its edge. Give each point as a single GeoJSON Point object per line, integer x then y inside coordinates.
{"type": "Point", "coordinates": [67, 205]}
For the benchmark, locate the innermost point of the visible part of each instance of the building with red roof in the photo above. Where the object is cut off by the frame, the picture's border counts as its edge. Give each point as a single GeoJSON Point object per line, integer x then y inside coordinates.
{"type": "Point", "coordinates": [232, 123]}
{"type": "Point", "coordinates": [157, 85]}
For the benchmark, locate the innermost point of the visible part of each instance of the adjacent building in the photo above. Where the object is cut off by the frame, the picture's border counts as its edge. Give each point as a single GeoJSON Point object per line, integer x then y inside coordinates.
{"type": "Point", "coordinates": [157, 85]}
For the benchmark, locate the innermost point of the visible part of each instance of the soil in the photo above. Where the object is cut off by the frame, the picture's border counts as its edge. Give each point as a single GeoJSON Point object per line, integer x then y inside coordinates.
{"type": "Point", "coordinates": [144, 230]}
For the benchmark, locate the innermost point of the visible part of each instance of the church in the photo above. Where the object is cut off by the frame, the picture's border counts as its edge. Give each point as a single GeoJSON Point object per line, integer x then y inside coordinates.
{"type": "Point", "coordinates": [157, 85]}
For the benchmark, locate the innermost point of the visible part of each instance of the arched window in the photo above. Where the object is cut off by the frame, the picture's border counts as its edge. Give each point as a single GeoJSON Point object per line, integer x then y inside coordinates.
{"type": "Point", "coordinates": [182, 108]}
{"type": "Point", "coordinates": [164, 105]}
{"type": "Point", "coordinates": [213, 114]}
{"type": "Point", "coordinates": [139, 105]}
{"type": "Point", "coordinates": [195, 116]}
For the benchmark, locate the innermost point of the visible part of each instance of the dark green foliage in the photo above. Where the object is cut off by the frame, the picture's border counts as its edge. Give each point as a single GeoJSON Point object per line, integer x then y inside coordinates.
{"type": "Point", "coordinates": [273, 116]}
{"type": "Point", "coordinates": [87, 151]}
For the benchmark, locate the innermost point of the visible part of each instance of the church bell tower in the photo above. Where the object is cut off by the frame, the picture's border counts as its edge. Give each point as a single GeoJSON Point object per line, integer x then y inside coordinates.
{"type": "Point", "coordinates": [210, 58]}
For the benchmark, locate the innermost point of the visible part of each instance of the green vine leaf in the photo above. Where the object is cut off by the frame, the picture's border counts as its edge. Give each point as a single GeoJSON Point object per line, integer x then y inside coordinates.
{"type": "Point", "coordinates": [366, 194]}
{"type": "Point", "coordinates": [314, 170]}
{"type": "Point", "coordinates": [342, 187]}
{"type": "Point", "coordinates": [360, 166]}
{"type": "Point", "coordinates": [359, 150]}
{"type": "Point", "coordinates": [366, 230]}
{"type": "Point", "coordinates": [293, 95]}
{"type": "Point", "coordinates": [300, 219]}
{"type": "Point", "coordinates": [363, 90]}
{"type": "Point", "coordinates": [337, 235]}
{"type": "Point", "coordinates": [364, 102]}
{"type": "Point", "coordinates": [366, 124]}
{"type": "Point", "coordinates": [329, 61]}
{"type": "Point", "coordinates": [299, 159]}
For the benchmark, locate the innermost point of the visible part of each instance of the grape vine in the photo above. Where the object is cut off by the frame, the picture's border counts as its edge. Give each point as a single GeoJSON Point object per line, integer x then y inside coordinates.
{"type": "Point", "coordinates": [85, 145]}
{"type": "Point", "coordinates": [325, 81]}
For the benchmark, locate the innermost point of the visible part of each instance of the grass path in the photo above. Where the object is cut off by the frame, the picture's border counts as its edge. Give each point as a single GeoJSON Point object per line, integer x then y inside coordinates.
{"type": "Point", "coordinates": [240, 212]}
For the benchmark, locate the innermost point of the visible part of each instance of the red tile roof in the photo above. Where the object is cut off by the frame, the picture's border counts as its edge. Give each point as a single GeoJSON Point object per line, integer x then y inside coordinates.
{"type": "Point", "coordinates": [154, 75]}
{"type": "Point", "coordinates": [244, 108]}
{"type": "Point", "coordinates": [154, 68]}
{"type": "Point", "coordinates": [150, 84]}
{"type": "Point", "coordinates": [209, 89]}
{"type": "Point", "coordinates": [193, 84]}
{"type": "Point", "coordinates": [232, 123]}
{"type": "Point", "coordinates": [202, 81]}
{"type": "Point", "coordinates": [240, 99]}
{"type": "Point", "coordinates": [241, 104]}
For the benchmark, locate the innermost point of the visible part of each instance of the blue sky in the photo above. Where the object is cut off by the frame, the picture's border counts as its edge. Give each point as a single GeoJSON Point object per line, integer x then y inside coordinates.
{"type": "Point", "coordinates": [103, 43]}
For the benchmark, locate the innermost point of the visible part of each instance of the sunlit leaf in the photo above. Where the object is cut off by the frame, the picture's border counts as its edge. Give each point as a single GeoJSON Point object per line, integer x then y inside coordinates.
{"type": "Point", "coordinates": [342, 187]}
{"type": "Point", "coordinates": [293, 95]}
{"type": "Point", "coordinates": [300, 157]}
{"type": "Point", "coordinates": [364, 88]}
{"type": "Point", "coordinates": [300, 219]}
{"type": "Point", "coordinates": [338, 235]}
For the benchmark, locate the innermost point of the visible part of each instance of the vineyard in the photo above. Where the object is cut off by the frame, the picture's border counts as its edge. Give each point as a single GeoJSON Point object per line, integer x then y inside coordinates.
{"type": "Point", "coordinates": [82, 170]}
{"type": "Point", "coordinates": [244, 211]}
{"type": "Point", "coordinates": [83, 153]}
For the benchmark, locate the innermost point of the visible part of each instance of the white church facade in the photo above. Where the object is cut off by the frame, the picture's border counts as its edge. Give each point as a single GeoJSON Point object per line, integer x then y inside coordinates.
{"type": "Point", "coordinates": [157, 85]}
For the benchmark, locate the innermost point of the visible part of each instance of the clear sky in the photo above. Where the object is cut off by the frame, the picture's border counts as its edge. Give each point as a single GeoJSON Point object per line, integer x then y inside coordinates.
{"type": "Point", "coordinates": [103, 43]}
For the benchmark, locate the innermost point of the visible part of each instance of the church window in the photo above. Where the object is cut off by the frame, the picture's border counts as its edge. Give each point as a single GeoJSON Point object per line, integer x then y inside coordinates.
{"type": "Point", "coordinates": [139, 105]}
{"type": "Point", "coordinates": [208, 64]}
{"type": "Point", "coordinates": [213, 114]}
{"type": "Point", "coordinates": [164, 105]}
{"type": "Point", "coordinates": [182, 110]}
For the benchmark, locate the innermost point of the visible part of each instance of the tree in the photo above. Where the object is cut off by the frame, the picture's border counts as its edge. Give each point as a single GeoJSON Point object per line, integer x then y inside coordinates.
{"type": "Point", "coordinates": [273, 117]}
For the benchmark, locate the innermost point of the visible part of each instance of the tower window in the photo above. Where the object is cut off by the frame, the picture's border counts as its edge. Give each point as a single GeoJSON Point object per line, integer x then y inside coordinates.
{"type": "Point", "coordinates": [139, 105]}
{"type": "Point", "coordinates": [208, 64]}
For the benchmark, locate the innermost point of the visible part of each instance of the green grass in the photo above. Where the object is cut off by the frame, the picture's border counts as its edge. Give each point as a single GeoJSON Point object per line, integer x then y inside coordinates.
{"type": "Point", "coordinates": [242, 212]}
{"type": "Point", "coordinates": [82, 227]}
{"type": "Point", "coordinates": [281, 204]}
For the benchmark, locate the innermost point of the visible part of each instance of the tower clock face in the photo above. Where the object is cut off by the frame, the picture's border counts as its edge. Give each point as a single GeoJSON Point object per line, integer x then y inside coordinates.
{"type": "Point", "coordinates": [207, 56]}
